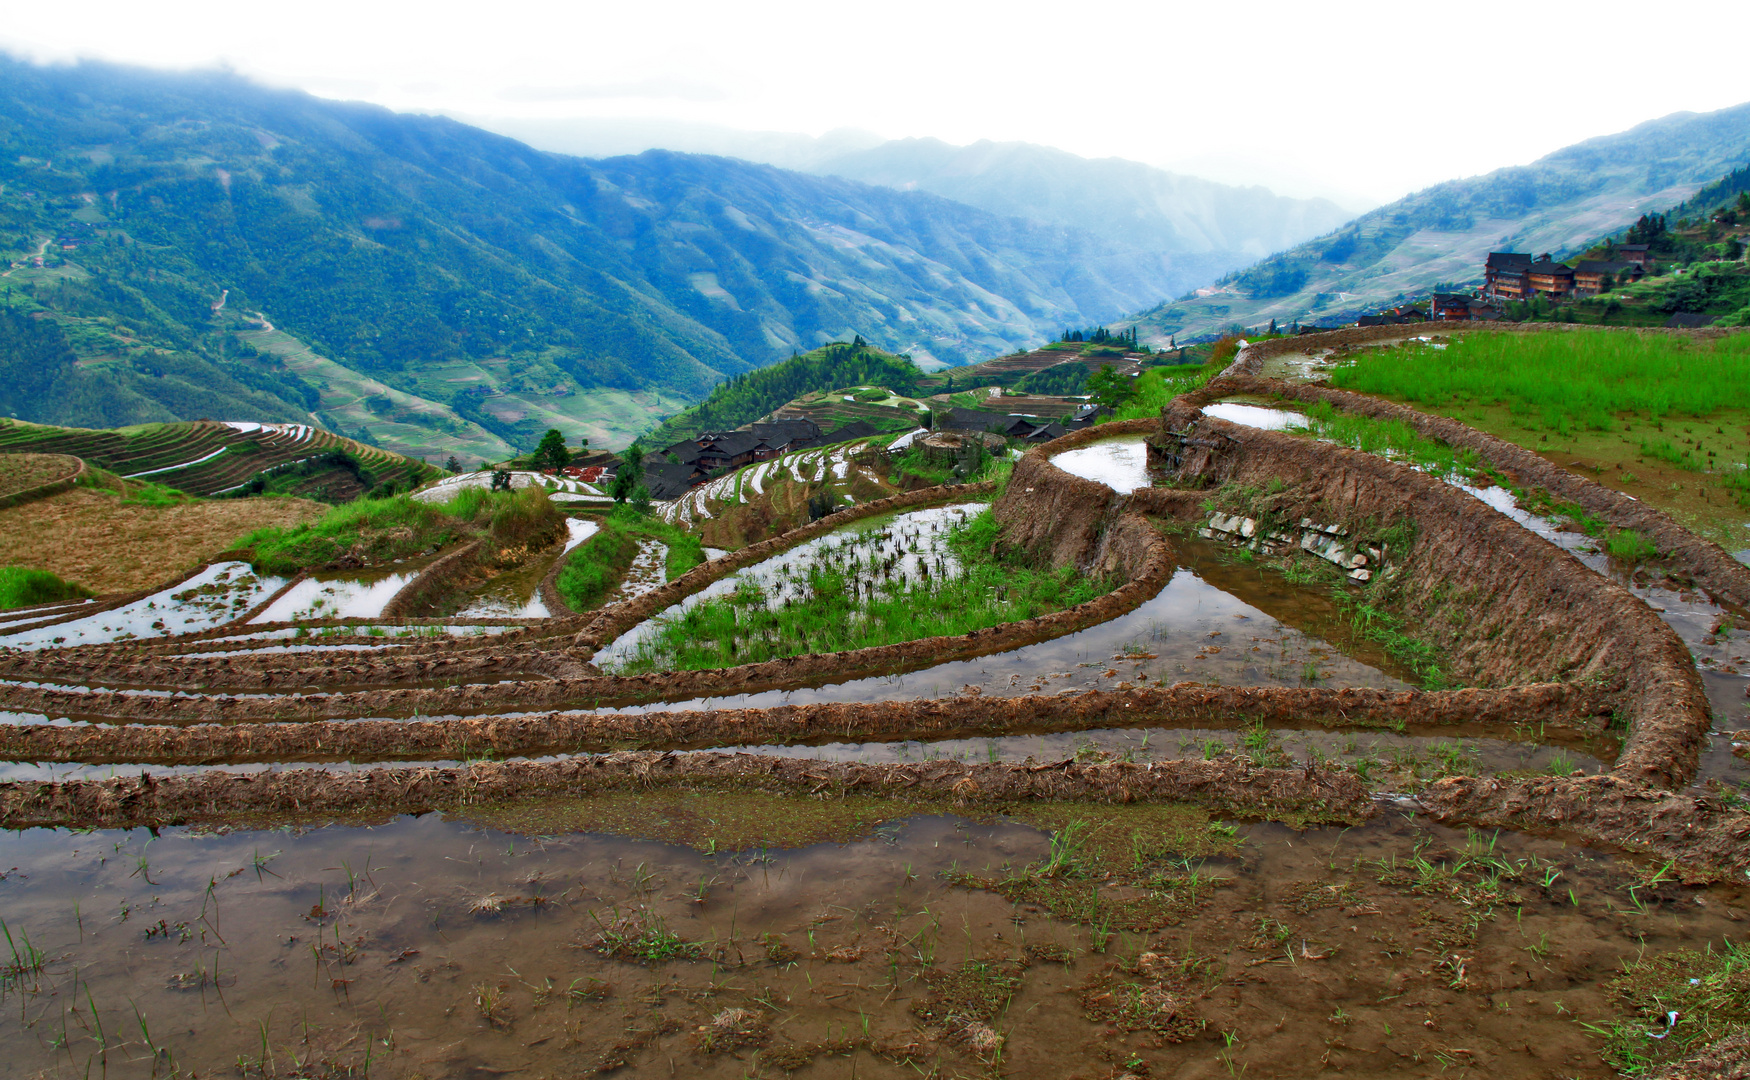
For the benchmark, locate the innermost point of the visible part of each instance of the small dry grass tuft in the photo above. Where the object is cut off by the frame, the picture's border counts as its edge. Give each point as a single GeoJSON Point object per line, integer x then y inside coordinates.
{"type": "Point", "coordinates": [93, 538]}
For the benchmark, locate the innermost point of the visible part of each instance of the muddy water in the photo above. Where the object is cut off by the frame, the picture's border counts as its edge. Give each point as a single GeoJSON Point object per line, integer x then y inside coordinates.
{"type": "Point", "coordinates": [1719, 640]}
{"type": "Point", "coordinates": [1408, 759]}
{"type": "Point", "coordinates": [1216, 621]}
{"type": "Point", "coordinates": [216, 595]}
{"type": "Point", "coordinates": [907, 545]}
{"type": "Point", "coordinates": [1120, 463]}
{"type": "Point", "coordinates": [441, 948]}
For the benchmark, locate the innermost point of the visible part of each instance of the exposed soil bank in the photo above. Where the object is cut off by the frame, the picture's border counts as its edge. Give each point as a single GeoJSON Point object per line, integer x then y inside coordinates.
{"type": "Point", "coordinates": [1702, 836]}
{"type": "Point", "coordinates": [1508, 606]}
{"type": "Point", "coordinates": [1704, 562]}
{"type": "Point", "coordinates": [225, 798]}
{"type": "Point", "coordinates": [1535, 711]}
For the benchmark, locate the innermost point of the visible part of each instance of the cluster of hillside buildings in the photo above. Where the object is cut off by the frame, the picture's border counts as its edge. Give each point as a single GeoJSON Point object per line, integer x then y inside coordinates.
{"type": "Point", "coordinates": [1517, 276]}
{"type": "Point", "coordinates": [672, 470]}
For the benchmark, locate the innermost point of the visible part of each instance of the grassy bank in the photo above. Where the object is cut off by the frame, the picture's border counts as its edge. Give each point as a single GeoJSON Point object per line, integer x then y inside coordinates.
{"type": "Point", "coordinates": [847, 609]}
{"type": "Point", "coordinates": [21, 587]}
{"type": "Point", "coordinates": [1563, 381]}
{"type": "Point", "coordinates": [1656, 416]}
{"type": "Point", "coordinates": [375, 531]}
{"type": "Point", "coordinates": [594, 568]}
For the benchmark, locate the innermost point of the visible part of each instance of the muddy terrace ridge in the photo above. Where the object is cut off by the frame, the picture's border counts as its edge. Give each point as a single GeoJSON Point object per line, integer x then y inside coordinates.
{"type": "Point", "coordinates": [1540, 639]}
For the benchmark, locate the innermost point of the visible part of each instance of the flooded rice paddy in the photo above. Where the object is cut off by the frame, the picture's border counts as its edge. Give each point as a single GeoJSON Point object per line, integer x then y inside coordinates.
{"type": "Point", "coordinates": [1120, 463]}
{"type": "Point", "coordinates": [217, 595]}
{"type": "Point", "coordinates": [1216, 621]}
{"type": "Point", "coordinates": [711, 937]}
{"type": "Point", "coordinates": [906, 547]}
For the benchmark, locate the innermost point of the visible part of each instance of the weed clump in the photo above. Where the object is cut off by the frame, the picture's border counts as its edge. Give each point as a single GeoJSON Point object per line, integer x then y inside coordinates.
{"type": "Point", "coordinates": [21, 586]}
{"type": "Point", "coordinates": [1691, 998]}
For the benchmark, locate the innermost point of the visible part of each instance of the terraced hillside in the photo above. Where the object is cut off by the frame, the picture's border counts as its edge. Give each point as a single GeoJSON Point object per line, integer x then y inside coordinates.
{"type": "Point", "coordinates": [1005, 370]}
{"type": "Point", "coordinates": [1200, 817]}
{"type": "Point", "coordinates": [874, 405]}
{"type": "Point", "coordinates": [204, 457]}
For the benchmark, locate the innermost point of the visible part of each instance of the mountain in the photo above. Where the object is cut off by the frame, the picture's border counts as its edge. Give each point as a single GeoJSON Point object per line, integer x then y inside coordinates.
{"type": "Point", "coordinates": [215, 247]}
{"type": "Point", "coordinates": [1128, 205]}
{"type": "Point", "coordinates": [1439, 237]}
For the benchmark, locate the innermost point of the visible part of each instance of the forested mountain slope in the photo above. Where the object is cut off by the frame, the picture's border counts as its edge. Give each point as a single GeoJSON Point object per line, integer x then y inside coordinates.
{"type": "Point", "coordinates": [215, 248]}
{"type": "Point", "coordinates": [1440, 236]}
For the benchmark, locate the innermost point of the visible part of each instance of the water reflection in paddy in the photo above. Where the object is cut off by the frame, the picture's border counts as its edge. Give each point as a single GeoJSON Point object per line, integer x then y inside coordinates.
{"type": "Point", "coordinates": [1256, 416]}
{"type": "Point", "coordinates": [216, 595]}
{"type": "Point", "coordinates": [1121, 463]}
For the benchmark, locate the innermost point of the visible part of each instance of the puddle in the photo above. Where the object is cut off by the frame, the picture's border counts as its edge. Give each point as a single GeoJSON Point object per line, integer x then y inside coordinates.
{"type": "Point", "coordinates": [1120, 463]}
{"type": "Point", "coordinates": [213, 597]}
{"type": "Point", "coordinates": [443, 948]}
{"type": "Point", "coordinates": [1256, 416]}
{"type": "Point", "coordinates": [904, 545]}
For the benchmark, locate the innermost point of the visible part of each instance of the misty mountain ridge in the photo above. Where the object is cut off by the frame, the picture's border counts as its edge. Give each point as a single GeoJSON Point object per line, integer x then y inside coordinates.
{"type": "Point", "coordinates": [1441, 235]}
{"type": "Point", "coordinates": [428, 284]}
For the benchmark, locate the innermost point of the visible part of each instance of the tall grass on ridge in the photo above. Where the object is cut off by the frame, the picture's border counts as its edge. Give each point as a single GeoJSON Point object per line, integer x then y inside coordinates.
{"type": "Point", "coordinates": [1563, 380]}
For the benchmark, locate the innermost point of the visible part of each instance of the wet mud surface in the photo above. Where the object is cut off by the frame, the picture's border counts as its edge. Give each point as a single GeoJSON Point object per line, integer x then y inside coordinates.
{"type": "Point", "coordinates": [1168, 943]}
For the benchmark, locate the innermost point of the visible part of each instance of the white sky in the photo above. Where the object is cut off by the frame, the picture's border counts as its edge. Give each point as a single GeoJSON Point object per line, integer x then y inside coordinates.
{"type": "Point", "coordinates": [1303, 97]}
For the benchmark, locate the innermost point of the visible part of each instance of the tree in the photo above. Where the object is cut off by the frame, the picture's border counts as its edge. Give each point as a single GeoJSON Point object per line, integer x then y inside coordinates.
{"type": "Point", "coordinates": [551, 454]}
{"type": "Point", "coordinates": [501, 480]}
{"type": "Point", "coordinates": [1110, 387]}
{"type": "Point", "coordinates": [454, 464]}
{"type": "Point", "coordinates": [630, 475]}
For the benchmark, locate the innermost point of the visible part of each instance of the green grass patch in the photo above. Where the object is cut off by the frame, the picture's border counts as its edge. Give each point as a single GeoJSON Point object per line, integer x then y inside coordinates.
{"type": "Point", "coordinates": [850, 607]}
{"type": "Point", "coordinates": [594, 568]}
{"type": "Point", "coordinates": [1387, 630]}
{"type": "Point", "coordinates": [1629, 546]}
{"type": "Point", "coordinates": [1157, 386]}
{"type": "Point", "coordinates": [21, 586]}
{"type": "Point", "coordinates": [381, 530]}
{"type": "Point", "coordinates": [1708, 989]}
{"type": "Point", "coordinates": [1563, 381]}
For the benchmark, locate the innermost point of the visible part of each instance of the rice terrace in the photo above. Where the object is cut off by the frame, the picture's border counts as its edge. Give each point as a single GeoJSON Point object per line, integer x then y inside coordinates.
{"type": "Point", "coordinates": [1368, 702]}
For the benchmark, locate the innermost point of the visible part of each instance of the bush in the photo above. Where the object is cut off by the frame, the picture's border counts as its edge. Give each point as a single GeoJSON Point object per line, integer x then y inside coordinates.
{"type": "Point", "coordinates": [22, 587]}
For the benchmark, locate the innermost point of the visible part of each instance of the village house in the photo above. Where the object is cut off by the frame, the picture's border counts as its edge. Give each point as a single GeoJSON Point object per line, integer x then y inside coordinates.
{"type": "Point", "coordinates": [1553, 279]}
{"type": "Point", "coordinates": [1506, 276]}
{"type": "Point", "coordinates": [1450, 307]}
{"type": "Point", "coordinates": [1639, 254]}
{"type": "Point", "coordinates": [1593, 276]}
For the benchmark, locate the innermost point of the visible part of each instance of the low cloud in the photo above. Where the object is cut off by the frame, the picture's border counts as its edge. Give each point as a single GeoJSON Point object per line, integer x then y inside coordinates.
{"type": "Point", "coordinates": [682, 89]}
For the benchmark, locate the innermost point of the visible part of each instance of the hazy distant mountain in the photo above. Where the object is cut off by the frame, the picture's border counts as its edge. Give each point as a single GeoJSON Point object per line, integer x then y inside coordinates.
{"type": "Point", "coordinates": [1441, 235]}
{"type": "Point", "coordinates": [1128, 205]}
{"type": "Point", "coordinates": [429, 282]}
{"type": "Point", "coordinates": [598, 137]}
